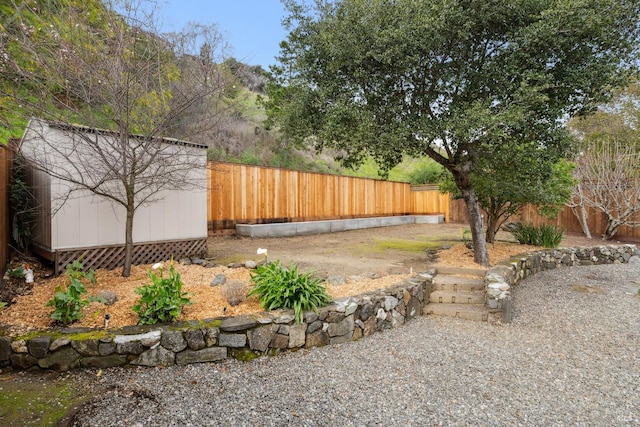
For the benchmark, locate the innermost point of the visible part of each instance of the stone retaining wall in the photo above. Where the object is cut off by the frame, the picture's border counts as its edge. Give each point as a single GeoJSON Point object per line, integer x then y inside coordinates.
{"type": "Point", "coordinates": [502, 277]}
{"type": "Point", "coordinates": [242, 337]}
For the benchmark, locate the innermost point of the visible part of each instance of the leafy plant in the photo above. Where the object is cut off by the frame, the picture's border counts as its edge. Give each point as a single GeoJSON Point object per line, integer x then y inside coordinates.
{"type": "Point", "coordinates": [161, 300]}
{"type": "Point", "coordinates": [280, 287]}
{"type": "Point", "coordinates": [547, 236]}
{"type": "Point", "coordinates": [16, 273]}
{"type": "Point", "coordinates": [68, 304]}
{"type": "Point", "coordinates": [466, 238]}
{"type": "Point", "coordinates": [4, 304]}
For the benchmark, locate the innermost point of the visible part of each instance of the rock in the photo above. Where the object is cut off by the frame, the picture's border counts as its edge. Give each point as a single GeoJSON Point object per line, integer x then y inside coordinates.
{"type": "Point", "coordinates": [285, 318]}
{"type": "Point", "coordinates": [279, 341]}
{"type": "Point", "coordinates": [634, 260]}
{"type": "Point", "coordinates": [130, 347]}
{"type": "Point", "coordinates": [19, 346]}
{"type": "Point", "coordinates": [185, 261]}
{"type": "Point", "coordinates": [220, 279]}
{"type": "Point", "coordinates": [314, 326]}
{"type": "Point", "coordinates": [366, 311]}
{"type": "Point", "coordinates": [23, 361]}
{"type": "Point", "coordinates": [260, 337]}
{"type": "Point", "coordinates": [350, 309]}
{"type": "Point", "coordinates": [382, 315]}
{"type": "Point", "coordinates": [235, 265]}
{"type": "Point", "coordinates": [211, 336]}
{"type": "Point", "coordinates": [173, 340]}
{"type": "Point", "coordinates": [238, 323]}
{"type": "Point", "coordinates": [158, 356]}
{"type": "Point", "coordinates": [59, 343]}
{"type": "Point", "coordinates": [104, 361]}
{"type": "Point", "coordinates": [195, 339]}
{"type": "Point", "coordinates": [39, 346]}
{"type": "Point", "coordinates": [250, 264]}
{"type": "Point", "coordinates": [341, 328]}
{"type": "Point", "coordinates": [390, 303]}
{"type": "Point", "coordinates": [211, 354]}
{"type": "Point", "coordinates": [232, 340]}
{"type": "Point", "coordinates": [5, 349]}
{"type": "Point", "coordinates": [106, 348]}
{"type": "Point", "coordinates": [107, 296]}
{"type": "Point", "coordinates": [336, 280]}
{"type": "Point", "coordinates": [86, 347]}
{"type": "Point", "coordinates": [197, 261]}
{"type": "Point", "coordinates": [297, 335]}
{"type": "Point", "coordinates": [310, 317]}
{"type": "Point", "coordinates": [317, 339]}
{"type": "Point", "coordinates": [62, 360]}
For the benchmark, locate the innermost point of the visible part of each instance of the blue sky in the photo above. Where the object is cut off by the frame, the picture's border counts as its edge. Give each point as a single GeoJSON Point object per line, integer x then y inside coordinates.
{"type": "Point", "coordinates": [252, 27]}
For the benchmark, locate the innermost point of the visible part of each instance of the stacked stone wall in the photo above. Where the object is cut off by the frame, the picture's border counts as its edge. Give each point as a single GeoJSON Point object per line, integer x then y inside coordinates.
{"type": "Point", "coordinates": [242, 337]}
{"type": "Point", "coordinates": [501, 278]}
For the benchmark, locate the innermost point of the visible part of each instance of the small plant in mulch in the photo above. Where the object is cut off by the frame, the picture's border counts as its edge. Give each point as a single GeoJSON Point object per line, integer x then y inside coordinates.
{"type": "Point", "coordinates": [161, 300]}
{"type": "Point", "coordinates": [69, 303]}
{"type": "Point", "coordinates": [280, 287]}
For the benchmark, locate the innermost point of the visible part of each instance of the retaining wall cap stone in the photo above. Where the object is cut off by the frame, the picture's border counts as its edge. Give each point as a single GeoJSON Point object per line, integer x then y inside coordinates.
{"type": "Point", "coordinates": [121, 339]}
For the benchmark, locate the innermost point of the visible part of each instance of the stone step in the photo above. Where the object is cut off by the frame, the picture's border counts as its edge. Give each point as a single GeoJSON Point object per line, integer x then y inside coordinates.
{"type": "Point", "coordinates": [448, 297]}
{"type": "Point", "coordinates": [457, 284]}
{"type": "Point", "coordinates": [479, 272]}
{"type": "Point", "coordinates": [462, 311]}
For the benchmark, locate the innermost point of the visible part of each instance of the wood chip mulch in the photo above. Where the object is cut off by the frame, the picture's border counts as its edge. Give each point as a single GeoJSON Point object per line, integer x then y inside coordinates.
{"type": "Point", "coordinates": [31, 311]}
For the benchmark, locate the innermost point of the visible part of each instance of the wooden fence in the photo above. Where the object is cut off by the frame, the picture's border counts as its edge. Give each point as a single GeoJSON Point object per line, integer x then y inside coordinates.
{"type": "Point", "coordinates": [6, 157]}
{"type": "Point", "coordinates": [254, 195]}
{"type": "Point", "coordinates": [565, 219]}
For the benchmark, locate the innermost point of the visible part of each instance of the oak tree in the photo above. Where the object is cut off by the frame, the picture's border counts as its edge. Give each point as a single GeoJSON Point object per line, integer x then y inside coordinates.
{"type": "Point", "coordinates": [453, 80]}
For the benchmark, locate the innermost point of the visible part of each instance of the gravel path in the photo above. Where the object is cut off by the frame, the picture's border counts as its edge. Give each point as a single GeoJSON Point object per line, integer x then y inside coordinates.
{"type": "Point", "coordinates": [570, 357]}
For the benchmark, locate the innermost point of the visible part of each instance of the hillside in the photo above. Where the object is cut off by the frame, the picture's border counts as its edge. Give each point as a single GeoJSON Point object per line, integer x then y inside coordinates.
{"type": "Point", "coordinates": [57, 54]}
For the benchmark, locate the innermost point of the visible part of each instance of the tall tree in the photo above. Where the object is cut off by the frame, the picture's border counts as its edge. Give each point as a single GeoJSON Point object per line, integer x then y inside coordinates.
{"type": "Point", "coordinates": [454, 80]}
{"type": "Point", "coordinates": [608, 163]}
{"type": "Point", "coordinates": [103, 65]}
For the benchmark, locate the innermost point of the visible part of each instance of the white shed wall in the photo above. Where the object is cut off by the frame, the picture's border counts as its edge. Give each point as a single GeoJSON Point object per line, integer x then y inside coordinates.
{"type": "Point", "coordinates": [86, 220]}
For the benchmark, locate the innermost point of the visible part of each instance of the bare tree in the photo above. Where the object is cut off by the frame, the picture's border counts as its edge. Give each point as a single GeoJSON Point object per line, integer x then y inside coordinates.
{"type": "Point", "coordinates": [104, 66]}
{"type": "Point", "coordinates": [610, 183]}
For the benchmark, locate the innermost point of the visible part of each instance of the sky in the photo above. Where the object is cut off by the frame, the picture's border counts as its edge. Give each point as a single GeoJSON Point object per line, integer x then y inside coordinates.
{"type": "Point", "coordinates": [252, 27]}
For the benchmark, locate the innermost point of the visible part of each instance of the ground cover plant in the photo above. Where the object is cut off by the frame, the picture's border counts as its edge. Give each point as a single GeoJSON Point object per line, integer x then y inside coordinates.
{"type": "Point", "coordinates": [285, 287]}
{"type": "Point", "coordinates": [69, 303]}
{"type": "Point", "coordinates": [162, 299]}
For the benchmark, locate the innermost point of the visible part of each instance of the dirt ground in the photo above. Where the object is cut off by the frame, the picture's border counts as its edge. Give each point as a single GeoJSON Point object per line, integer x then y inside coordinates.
{"type": "Point", "coordinates": [367, 259]}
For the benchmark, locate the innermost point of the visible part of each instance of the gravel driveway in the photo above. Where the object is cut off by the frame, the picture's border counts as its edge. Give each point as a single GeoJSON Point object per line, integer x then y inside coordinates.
{"type": "Point", "coordinates": [570, 357]}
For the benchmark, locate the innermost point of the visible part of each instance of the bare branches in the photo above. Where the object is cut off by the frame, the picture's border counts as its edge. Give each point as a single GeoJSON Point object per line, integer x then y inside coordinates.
{"type": "Point", "coordinates": [610, 183]}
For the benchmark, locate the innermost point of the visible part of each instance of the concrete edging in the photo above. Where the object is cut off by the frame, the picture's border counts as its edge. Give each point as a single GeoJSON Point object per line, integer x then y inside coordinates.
{"type": "Point", "coordinates": [303, 228]}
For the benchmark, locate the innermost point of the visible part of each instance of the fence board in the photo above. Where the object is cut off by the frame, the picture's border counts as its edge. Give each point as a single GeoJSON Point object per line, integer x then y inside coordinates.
{"type": "Point", "coordinates": [6, 157]}
{"type": "Point", "coordinates": [565, 219]}
{"type": "Point", "coordinates": [254, 195]}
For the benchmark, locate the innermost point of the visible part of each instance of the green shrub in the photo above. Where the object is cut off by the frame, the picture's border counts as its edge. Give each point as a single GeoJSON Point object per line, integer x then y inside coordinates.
{"type": "Point", "coordinates": [161, 300]}
{"type": "Point", "coordinates": [68, 304]}
{"type": "Point", "coordinates": [280, 287]}
{"type": "Point", "coordinates": [547, 236]}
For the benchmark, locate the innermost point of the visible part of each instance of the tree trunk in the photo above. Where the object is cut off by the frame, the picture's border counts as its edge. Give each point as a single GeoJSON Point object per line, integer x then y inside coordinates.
{"type": "Point", "coordinates": [492, 223]}
{"type": "Point", "coordinates": [583, 219]}
{"type": "Point", "coordinates": [480, 255]}
{"type": "Point", "coordinates": [128, 245]}
{"type": "Point", "coordinates": [611, 229]}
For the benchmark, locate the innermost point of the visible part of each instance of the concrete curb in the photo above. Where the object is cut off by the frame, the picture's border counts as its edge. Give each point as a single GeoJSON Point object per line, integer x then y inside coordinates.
{"type": "Point", "coordinates": [331, 226]}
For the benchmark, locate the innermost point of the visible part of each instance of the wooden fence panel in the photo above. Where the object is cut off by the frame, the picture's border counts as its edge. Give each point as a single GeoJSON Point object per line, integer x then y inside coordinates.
{"type": "Point", "coordinates": [565, 219]}
{"type": "Point", "coordinates": [254, 194]}
{"type": "Point", "coordinates": [6, 158]}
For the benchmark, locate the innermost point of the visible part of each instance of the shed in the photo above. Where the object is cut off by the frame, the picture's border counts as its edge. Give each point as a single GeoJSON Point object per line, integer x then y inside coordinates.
{"type": "Point", "coordinates": [91, 228]}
